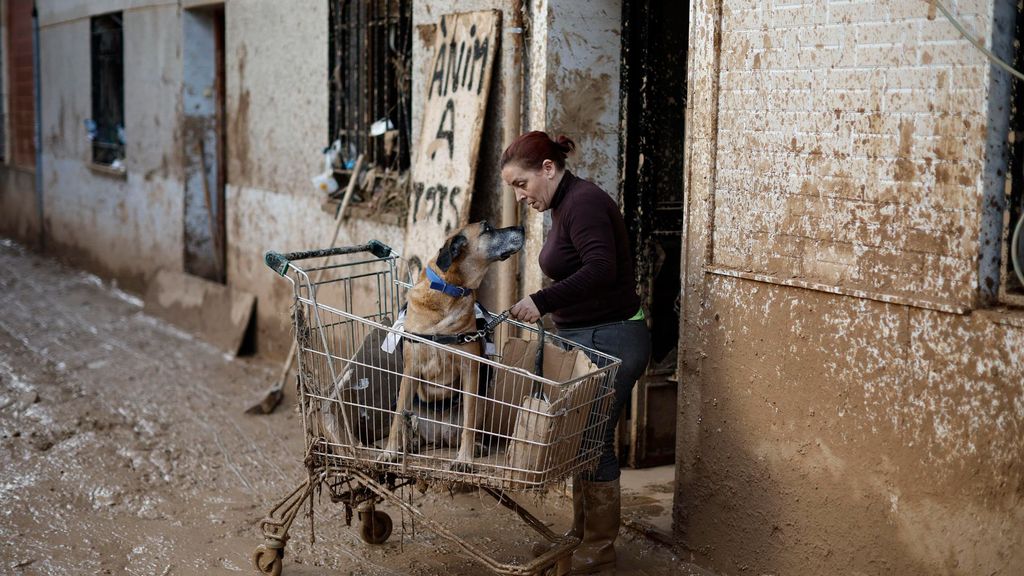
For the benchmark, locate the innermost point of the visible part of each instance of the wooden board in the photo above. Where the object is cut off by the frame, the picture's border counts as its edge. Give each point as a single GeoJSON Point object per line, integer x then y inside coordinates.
{"type": "Point", "coordinates": [216, 313]}
{"type": "Point", "coordinates": [446, 156]}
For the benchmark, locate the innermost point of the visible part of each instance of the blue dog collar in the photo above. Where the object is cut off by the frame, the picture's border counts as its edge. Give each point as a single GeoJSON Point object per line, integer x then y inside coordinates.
{"type": "Point", "coordinates": [438, 283]}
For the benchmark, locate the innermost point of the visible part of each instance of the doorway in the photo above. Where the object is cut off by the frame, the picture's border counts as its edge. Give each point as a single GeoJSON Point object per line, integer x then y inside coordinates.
{"type": "Point", "coordinates": [654, 46]}
{"type": "Point", "coordinates": [203, 99]}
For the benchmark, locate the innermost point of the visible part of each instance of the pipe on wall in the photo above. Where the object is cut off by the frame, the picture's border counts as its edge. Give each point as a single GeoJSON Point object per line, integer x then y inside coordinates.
{"type": "Point", "coordinates": [508, 285]}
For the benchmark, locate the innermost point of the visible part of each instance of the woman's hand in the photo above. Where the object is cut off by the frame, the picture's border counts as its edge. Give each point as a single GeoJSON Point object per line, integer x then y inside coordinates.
{"type": "Point", "coordinates": [525, 311]}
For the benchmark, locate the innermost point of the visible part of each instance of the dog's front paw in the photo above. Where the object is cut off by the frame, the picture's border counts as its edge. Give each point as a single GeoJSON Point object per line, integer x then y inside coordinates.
{"type": "Point", "coordinates": [481, 450]}
{"type": "Point", "coordinates": [389, 457]}
{"type": "Point", "coordinates": [461, 465]}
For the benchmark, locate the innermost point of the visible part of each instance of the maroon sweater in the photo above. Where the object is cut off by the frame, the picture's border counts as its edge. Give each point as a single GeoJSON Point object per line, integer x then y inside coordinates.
{"type": "Point", "coordinates": [587, 255]}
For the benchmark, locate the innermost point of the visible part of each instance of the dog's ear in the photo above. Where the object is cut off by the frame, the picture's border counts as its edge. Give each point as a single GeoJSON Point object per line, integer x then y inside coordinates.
{"type": "Point", "coordinates": [451, 251]}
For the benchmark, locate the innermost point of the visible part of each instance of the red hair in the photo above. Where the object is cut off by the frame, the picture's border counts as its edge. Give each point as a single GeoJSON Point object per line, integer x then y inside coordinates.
{"type": "Point", "coordinates": [530, 150]}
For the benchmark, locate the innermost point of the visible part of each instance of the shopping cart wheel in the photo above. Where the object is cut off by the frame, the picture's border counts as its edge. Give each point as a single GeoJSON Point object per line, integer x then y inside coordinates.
{"type": "Point", "coordinates": [376, 527]}
{"type": "Point", "coordinates": [268, 560]}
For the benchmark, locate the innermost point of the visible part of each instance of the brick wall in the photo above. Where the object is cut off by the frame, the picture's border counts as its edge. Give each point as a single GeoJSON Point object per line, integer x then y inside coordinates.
{"type": "Point", "coordinates": [850, 145]}
{"type": "Point", "coordinates": [22, 96]}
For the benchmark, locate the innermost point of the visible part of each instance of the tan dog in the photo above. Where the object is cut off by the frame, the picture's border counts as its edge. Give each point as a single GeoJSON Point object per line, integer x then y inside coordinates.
{"type": "Point", "coordinates": [441, 306]}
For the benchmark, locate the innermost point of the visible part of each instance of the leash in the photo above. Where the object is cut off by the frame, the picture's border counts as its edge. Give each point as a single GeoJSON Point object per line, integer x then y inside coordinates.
{"type": "Point", "coordinates": [467, 337]}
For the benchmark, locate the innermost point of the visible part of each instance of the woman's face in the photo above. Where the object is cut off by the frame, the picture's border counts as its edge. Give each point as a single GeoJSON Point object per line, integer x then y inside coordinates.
{"type": "Point", "coordinates": [535, 187]}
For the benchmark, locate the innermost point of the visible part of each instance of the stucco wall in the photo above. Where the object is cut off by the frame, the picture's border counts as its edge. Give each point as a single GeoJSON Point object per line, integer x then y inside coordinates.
{"type": "Point", "coordinates": [123, 227]}
{"type": "Point", "coordinates": [276, 124]}
{"type": "Point", "coordinates": [846, 406]}
{"type": "Point", "coordinates": [277, 106]}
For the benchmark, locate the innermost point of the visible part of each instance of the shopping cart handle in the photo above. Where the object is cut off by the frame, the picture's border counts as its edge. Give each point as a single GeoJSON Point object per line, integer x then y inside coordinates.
{"type": "Point", "coordinates": [279, 262]}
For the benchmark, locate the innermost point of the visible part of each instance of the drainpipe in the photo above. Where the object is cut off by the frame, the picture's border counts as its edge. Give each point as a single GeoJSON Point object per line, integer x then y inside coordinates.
{"type": "Point", "coordinates": [508, 283]}
{"type": "Point", "coordinates": [36, 84]}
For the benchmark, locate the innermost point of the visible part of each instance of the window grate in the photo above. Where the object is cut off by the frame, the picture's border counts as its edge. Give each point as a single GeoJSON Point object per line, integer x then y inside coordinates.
{"type": "Point", "coordinates": [370, 46]}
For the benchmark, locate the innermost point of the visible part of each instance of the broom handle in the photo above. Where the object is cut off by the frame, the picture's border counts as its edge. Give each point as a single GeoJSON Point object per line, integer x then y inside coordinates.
{"type": "Point", "coordinates": [334, 238]}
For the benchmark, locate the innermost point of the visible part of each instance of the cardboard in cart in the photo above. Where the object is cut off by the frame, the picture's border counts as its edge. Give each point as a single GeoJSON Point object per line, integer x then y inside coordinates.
{"type": "Point", "coordinates": [544, 422]}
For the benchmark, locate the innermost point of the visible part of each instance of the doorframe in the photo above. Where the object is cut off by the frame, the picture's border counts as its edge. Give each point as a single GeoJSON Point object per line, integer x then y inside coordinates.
{"type": "Point", "coordinates": [645, 141]}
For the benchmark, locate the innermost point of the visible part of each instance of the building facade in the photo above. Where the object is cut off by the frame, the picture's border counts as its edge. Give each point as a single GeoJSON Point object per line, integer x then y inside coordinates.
{"type": "Point", "coordinates": [821, 195]}
{"type": "Point", "coordinates": [853, 371]}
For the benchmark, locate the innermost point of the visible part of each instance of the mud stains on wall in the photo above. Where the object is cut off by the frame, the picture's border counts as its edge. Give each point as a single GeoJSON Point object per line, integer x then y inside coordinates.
{"type": "Point", "coordinates": [582, 85]}
{"type": "Point", "coordinates": [277, 108]}
{"type": "Point", "coordinates": [586, 97]}
{"type": "Point", "coordinates": [277, 97]}
{"type": "Point", "coordinates": [238, 133]}
{"type": "Point", "coordinates": [126, 226]}
{"type": "Point", "coordinates": [834, 173]}
{"type": "Point", "coordinates": [843, 145]}
{"type": "Point", "coordinates": [843, 432]}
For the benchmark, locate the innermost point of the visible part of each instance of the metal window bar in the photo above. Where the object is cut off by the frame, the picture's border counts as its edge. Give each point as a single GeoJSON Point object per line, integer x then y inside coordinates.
{"type": "Point", "coordinates": [370, 44]}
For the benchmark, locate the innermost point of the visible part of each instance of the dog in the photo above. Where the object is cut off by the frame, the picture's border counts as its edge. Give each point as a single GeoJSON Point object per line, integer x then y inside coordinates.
{"type": "Point", "coordinates": [441, 307]}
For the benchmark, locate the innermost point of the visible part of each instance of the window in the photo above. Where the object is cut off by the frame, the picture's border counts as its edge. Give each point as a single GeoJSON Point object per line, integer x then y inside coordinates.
{"type": "Point", "coordinates": [106, 130]}
{"type": "Point", "coordinates": [370, 81]}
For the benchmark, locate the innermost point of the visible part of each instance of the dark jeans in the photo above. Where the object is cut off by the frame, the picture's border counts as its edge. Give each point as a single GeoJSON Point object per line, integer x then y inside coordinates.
{"type": "Point", "coordinates": [630, 341]}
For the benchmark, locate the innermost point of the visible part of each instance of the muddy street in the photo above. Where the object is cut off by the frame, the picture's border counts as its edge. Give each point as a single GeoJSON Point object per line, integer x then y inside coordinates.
{"type": "Point", "coordinates": [124, 450]}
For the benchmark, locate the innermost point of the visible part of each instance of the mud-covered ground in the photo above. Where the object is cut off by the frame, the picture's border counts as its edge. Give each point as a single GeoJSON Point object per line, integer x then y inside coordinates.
{"type": "Point", "coordinates": [124, 450]}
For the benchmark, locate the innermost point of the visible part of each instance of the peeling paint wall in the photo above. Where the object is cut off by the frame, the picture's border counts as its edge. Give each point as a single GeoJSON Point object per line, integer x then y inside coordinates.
{"type": "Point", "coordinates": [846, 405]}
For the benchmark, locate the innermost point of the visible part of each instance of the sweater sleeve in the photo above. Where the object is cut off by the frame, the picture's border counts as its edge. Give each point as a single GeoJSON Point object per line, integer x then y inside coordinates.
{"type": "Point", "coordinates": [592, 233]}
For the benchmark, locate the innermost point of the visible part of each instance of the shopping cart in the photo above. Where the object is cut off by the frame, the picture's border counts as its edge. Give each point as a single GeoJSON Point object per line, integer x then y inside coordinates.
{"type": "Point", "coordinates": [532, 430]}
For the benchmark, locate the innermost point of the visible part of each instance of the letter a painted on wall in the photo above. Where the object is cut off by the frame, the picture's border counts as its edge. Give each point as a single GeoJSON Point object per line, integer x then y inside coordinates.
{"type": "Point", "coordinates": [445, 162]}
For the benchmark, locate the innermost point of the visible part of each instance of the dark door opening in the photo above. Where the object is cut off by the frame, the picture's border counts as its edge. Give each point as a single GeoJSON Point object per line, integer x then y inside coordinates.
{"type": "Point", "coordinates": [655, 38]}
{"type": "Point", "coordinates": [204, 146]}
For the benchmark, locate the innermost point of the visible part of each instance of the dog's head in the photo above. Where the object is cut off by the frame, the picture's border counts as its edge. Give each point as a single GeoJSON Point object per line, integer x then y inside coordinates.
{"type": "Point", "coordinates": [469, 251]}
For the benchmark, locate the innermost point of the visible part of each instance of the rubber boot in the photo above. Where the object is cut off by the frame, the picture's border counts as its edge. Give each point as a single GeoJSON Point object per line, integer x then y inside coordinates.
{"type": "Point", "coordinates": [601, 518]}
{"type": "Point", "coordinates": [576, 530]}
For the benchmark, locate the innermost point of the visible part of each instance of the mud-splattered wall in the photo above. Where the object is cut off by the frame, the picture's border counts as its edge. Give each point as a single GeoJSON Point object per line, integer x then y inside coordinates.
{"type": "Point", "coordinates": [277, 109]}
{"type": "Point", "coordinates": [847, 406]}
{"type": "Point", "coordinates": [584, 45]}
{"type": "Point", "coordinates": [125, 225]}
{"type": "Point", "coordinates": [574, 50]}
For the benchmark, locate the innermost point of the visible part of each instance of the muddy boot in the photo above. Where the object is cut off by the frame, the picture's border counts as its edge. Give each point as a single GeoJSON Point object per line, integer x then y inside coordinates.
{"type": "Point", "coordinates": [600, 528]}
{"type": "Point", "coordinates": [576, 530]}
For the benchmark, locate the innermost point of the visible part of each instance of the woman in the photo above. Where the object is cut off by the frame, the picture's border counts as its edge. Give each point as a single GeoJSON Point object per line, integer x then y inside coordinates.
{"type": "Point", "coordinates": [592, 301]}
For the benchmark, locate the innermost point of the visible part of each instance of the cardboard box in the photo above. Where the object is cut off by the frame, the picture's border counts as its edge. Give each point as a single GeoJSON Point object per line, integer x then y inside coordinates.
{"type": "Point", "coordinates": [544, 423]}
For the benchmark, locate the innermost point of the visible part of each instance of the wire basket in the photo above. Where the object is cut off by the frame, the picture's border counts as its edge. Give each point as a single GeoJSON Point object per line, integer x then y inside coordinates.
{"type": "Point", "coordinates": [529, 431]}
